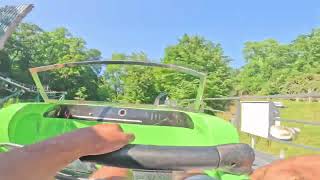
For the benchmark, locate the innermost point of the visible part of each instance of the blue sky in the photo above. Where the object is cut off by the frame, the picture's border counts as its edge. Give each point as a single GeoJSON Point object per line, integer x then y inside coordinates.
{"type": "Point", "coordinates": [150, 26]}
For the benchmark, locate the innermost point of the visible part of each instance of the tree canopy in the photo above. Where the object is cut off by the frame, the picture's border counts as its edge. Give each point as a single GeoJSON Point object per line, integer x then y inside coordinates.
{"type": "Point", "coordinates": [30, 46]}
{"type": "Point", "coordinates": [202, 55]}
{"type": "Point", "coordinates": [271, 67]}
{"type": "Point", "coordinates": [274, 68]}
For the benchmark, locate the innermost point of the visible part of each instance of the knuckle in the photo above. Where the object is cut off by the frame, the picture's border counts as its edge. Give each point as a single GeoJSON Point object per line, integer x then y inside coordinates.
{"type": "Point", "coordinates": [124, 138]}
{"type": "Point", "coordinates": [115, 126]}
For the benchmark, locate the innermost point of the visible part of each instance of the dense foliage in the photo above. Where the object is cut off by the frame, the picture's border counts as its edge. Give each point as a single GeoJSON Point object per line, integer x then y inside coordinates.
{"type": "Point", "coordinates": [274, 68]}
{"type": "Point", "coordinates": [271, 67]}
{"type": "Point", "coordinates": [202, 55]}
{"type": "Point", "coordinates": [130, 84]}
{"type": "Point", "coordinates": [30, 46]}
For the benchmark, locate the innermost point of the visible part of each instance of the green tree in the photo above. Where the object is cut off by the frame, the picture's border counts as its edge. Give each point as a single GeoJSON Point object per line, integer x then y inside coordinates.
{"type": "Point", "coordinates": [105, 92]}
{"type": "Point", "coordinates": [5, 63]}
{"type": "Point", "coordinates": [267, 63]}
{"type": "Point", "coordinates": [306, 51]}
{"type": "Point", "coordinates": [30, 46]}
{"type": "Point", "coordinates": [139, 83]}
{"type": "Point", "coordinates": [81, 94]}
{"type": "Point", "coordinates": [272, 68]}
{"type": "Point", "coordinates": [130, 84]}
{"type": "Point", "coordinates": [302, 83]}
{"type": "Point", "coordinates": [202, 55]}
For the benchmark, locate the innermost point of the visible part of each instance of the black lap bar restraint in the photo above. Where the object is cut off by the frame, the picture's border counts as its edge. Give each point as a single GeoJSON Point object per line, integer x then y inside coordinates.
{"type": "Point", "coordinates": [232, 158]}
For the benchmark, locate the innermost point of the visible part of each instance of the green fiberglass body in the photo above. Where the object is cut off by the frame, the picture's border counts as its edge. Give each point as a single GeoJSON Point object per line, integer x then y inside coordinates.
{"type": "Point", "coordinates": [167, 138]}
{"type": "Point", "coordinates": [155, 126]}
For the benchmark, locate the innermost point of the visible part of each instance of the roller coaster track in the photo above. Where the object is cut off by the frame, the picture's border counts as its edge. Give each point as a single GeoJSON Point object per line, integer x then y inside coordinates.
{"type": "Point", "coordinates": [10, 17]}
{"type": "Point", "coordinates": [14, 86]}
{"type": "Point", "coordinates": [3, 100]}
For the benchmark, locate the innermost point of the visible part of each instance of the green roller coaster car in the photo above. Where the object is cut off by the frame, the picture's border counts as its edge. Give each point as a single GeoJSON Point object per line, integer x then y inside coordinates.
{"type": "Point", "coordinates": [158, 125]}
{"type": "Point", "coordinates": [167, 138]}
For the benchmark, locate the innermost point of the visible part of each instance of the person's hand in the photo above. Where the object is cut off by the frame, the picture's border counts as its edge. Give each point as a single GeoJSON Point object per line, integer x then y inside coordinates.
{"type": "Point", "coordinates": [275, 172]}
{"type": "Point", "coordinates": [104, 138]}
{"type": "Point", "coordinates": [297, 168]}
{"type": "Point", "coordinates": [112, 173]}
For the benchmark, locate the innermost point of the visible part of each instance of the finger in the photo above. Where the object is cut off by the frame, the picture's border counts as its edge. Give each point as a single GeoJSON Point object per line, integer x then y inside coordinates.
{"type": "Point", "coordinates": [110, 173]}
{"type": "Point", "coordinates": [259, 173]}
{"type": "Point", "coordinates": [113, 127]}
{"type": "Point", "coordinates": [116, 127]}
{"type": "Point", "coordinates": [194, 171]}
{"type": "Point", "coordinates": [129, 137]}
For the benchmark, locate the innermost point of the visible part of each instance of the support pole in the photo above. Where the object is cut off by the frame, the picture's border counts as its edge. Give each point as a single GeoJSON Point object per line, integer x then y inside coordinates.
{"type": "Point", "coordinates": [253, 142]}
{"type": "Point", "coordinates": [282, 154]}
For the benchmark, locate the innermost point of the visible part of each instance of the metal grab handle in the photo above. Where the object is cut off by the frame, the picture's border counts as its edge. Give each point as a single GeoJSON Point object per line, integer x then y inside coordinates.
{"type": "Point", "coordinates": [232, 158]}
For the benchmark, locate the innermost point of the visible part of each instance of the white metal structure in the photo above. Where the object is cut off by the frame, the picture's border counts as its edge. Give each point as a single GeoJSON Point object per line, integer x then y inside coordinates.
{"type": "Point", "coordinates": [256, 118]}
